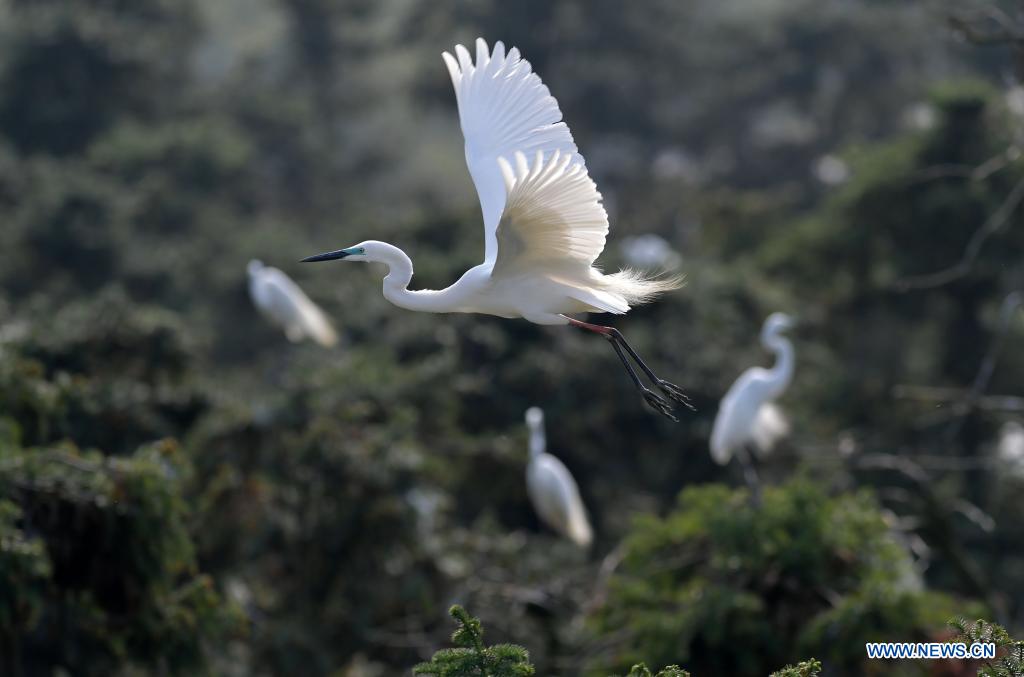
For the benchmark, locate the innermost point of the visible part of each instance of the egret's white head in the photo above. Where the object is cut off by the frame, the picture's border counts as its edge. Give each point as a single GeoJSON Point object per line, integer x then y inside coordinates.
{"type": "Point", "coordinates": [775, 325]}
{"type": "Point", "coordinates": [254, 267]}
{"type": "Point", "coordinates": [534, 417]}
{"type": "Point", "coordinates": [371, 250]}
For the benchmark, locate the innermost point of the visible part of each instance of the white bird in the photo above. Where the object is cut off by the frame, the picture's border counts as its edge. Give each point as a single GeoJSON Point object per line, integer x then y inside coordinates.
{"type": "Point", "coordinates": [544, 224]}
{"type": "Point", "coordinates": [747, 416]}
{"type": "Point", "coordinates": [553, 491]}
{"type": "Point", "coordinates": [282, 302]}
{"type": "Point", "coordinates": [1011, 446]}
{"type": "Point", "coordinates": [649, 251]}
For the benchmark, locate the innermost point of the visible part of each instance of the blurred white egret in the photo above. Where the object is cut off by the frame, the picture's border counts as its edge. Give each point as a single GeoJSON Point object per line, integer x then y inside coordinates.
{"type": "Point", "coordinates": [831, 170]}
{"type": "Point", "coordinates": [552, 489]}
{"type": "Point", "coordinates": [282, 302]}
{"type": "Point", "coordinates": [747, 417]}
{"type": "Point", "coordinates": [544, 224]}
{"type": "Point", "coordinates": [649, 251]}
{"type": "Point", "coordinates": [1010, 448]}
{"type": "Point", "coordinates": [1015, 100]}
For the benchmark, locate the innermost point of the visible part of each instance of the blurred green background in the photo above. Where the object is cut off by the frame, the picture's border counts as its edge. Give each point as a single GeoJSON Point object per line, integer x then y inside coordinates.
{"type": "Point", "coordinates": [182, 491]}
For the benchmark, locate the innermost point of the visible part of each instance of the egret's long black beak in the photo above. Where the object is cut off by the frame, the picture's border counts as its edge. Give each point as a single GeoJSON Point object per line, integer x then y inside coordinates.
{"type": "Point", "coordinates": [327, 256]}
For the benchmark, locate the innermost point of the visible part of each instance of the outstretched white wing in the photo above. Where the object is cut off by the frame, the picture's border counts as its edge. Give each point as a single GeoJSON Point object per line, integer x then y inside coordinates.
{"type": "Point", "coordinates": [553, 214]}
{"type": "Point", "coordinates": [504, 108]}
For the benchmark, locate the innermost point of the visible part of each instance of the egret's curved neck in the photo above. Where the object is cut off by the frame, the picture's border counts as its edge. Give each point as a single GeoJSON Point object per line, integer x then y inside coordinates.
{"type": "Point", "coordinates": [397, 281]}
{"type": "Point", "coordinates": [538, 442]}
{"type": "Point", "coordinates": [781, 372]}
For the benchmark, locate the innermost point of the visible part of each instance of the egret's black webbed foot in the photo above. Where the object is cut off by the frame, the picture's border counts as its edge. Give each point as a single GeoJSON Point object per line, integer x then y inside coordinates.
{"type": "Point", "coordinates": [675, 393]}
{"type": "Point", "coordinates": [659, 404]}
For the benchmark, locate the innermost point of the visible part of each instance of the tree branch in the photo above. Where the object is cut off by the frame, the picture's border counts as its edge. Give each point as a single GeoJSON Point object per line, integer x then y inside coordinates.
{"type": "Point", "coordinates": [961, 268]}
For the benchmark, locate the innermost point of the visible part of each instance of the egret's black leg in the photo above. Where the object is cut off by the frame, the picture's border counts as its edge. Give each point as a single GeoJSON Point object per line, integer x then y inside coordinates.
{"type": "Point", "coordinates": [670, 389]}
{"type": "Point", "coordinates": [750, 475]}
{"type": "Point", "coordinates": [658, 403]}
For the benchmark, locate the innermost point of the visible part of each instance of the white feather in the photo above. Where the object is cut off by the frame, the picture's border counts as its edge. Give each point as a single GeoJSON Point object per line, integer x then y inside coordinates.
{"type": "Point", "coordinates": [555, 226]}
{"type": "Point", "coordinates": [503, 108]}
{"type": "Point", "coordinates": [770, 426]}
{"type": "Point", "coordinates": [553, 211]}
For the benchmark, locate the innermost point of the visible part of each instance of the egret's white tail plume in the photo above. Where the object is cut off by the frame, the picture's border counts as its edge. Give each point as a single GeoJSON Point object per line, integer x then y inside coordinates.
{"type": "Point", "coordinates": [637, 287]}
{"type": "Point", "coordinates": [579, 530]}
{"type": "Point", "coordinates": [316, 326]}
{"type": "Point", "coordinates": [769, 427]}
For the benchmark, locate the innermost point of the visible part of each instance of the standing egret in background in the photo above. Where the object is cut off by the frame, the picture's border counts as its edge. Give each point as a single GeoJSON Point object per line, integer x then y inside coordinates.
{"type": "Point", "coordinates": [544, 224]}
{"type": "Point", "coordinates": [1010, 448]}
{"type": "Point", "coordinates": [282, 302]}
{"type": "Point", "coordinates": [552, 489]}
{"type": "Point", "coordinates": [649, 251]}
{"type": "Point", "coordinates": [747, 416]}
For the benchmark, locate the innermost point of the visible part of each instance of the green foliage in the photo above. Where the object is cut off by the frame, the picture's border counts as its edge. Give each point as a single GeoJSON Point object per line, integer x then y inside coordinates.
{"type": "Point", "coordinates": [1009, 661]}
{"type": "Point", "coordinates": [808, 668]}
{"type": "Point", "coordinates": [71, 70]}
{"type": "Point", "coordinates": [728, 587]}
{"type": "Point", "coordinates": [24, 570]}
{"type": "Point", "coordinates": [108, 576]}
{"type": "Point", "coordinates": [472, 657]}
{"type": "Point", "coordinates": [99, 565]}
{"type": "Point", "coordinates": [641, 670]}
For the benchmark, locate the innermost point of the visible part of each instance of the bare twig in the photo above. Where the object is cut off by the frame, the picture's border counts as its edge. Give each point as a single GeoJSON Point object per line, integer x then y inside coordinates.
{"type": "Point", "coordinates": [939, 522]}
{"type": "Point", "coordinates": [980, 172]}
{"type": "Point", "coordinates": [1006, 30]}
{"type": "Point", "coordinates": [1011, 302]}
{"type": "Point", "coordinates": [609, 564]}
{"type": "Point", "coordinates": [976, 515]}
{"type": "Point", "coordinates": [955, 397]}
{"type": "Point", "coordinates": [995, 222]}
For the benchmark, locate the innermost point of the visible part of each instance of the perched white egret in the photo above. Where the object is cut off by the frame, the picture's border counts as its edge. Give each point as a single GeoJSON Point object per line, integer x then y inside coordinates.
{"type": "Point", "coordinates": [1010, 448]}
{"type": "Point", "coordinates": [649, 251]}
{"type": "Point", "coordinates": [552, 489]}
{"type": "Point", "coordinates": [747, 416]}
{"type": "Point", "coordinates": [544, 224]}
{"type": "Point", "coordinates": [282, 302]}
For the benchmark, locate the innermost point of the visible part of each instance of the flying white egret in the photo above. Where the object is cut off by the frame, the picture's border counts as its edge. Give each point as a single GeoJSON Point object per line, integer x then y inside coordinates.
{"type": "Point", "coordinates": [544, 224]}
{"type": "Point", "coordinates": [747, 416]}
{"type": "Point", "coordinates": [552, 489]}
{"type": "Point", "coordinates": [282, 302]}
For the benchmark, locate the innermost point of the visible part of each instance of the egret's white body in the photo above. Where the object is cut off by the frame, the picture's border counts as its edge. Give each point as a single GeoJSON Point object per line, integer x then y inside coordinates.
{"type": "Point", "coordinates": [553, 491]}
{"type": "Point", "coordinates": [544, 224]}
{"type": "Point", "coordinates": [282, 302]}
{"type": "Point", "coordinates": [747, 415]}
